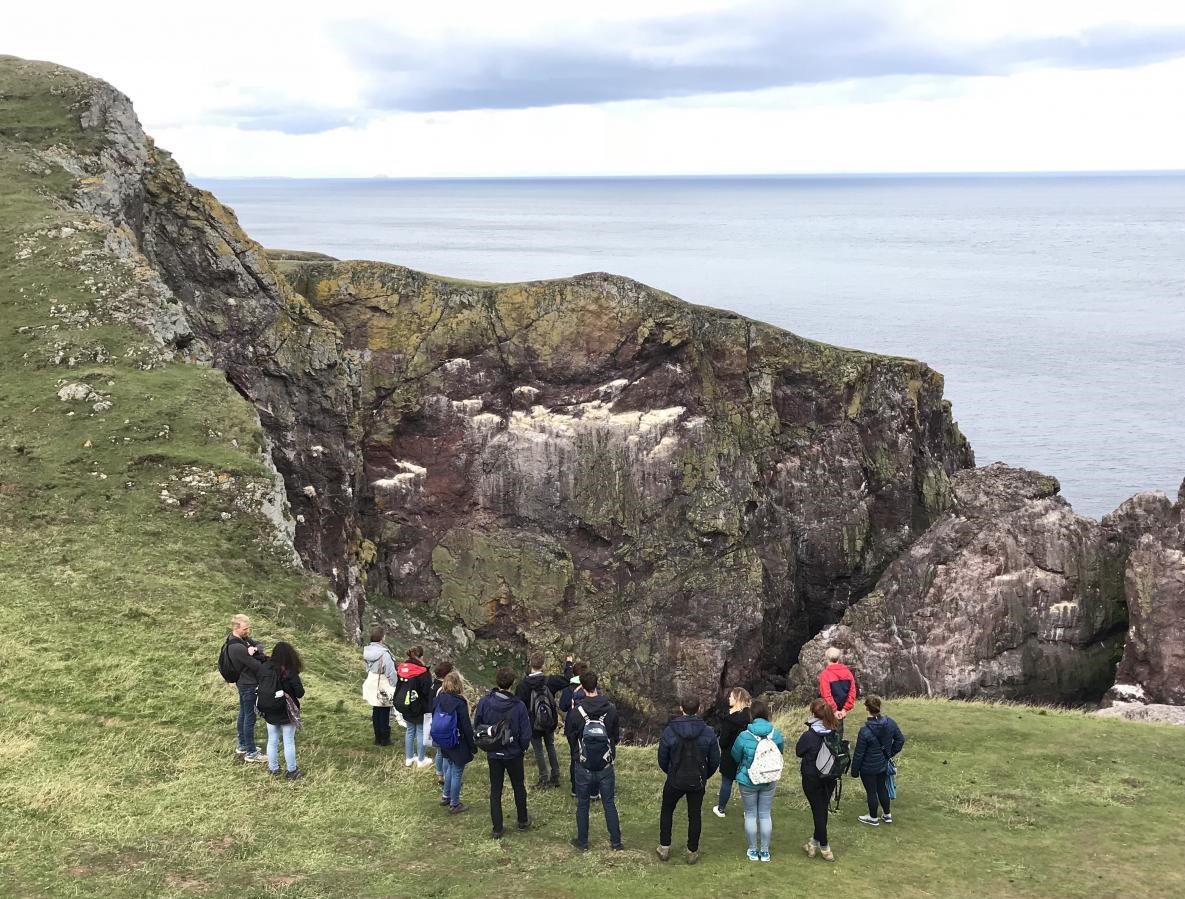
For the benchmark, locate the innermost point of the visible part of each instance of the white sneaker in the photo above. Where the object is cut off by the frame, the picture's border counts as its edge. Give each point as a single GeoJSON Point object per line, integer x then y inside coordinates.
{"type": "Point", "coordinates": [255, 757]}
{"type": "Point", "coordinates": [887, 819]}
{"type": "Point", "coordinates": [868, 819]}
{"type": "Point", "coordinates": [426, 763]}
{"type": "Point", "coordinates": [716, 811]}
{"type": "Point", "coordinates": [407, 763]}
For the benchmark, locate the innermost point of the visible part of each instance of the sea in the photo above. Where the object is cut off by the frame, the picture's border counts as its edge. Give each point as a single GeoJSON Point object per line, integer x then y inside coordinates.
{"type": "Point", "coordinates": [1054, 305]}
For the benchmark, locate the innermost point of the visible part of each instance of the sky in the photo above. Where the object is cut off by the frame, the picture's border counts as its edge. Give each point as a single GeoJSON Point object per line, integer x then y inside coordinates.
{"type": "Point", "coordinates": [462, 88]}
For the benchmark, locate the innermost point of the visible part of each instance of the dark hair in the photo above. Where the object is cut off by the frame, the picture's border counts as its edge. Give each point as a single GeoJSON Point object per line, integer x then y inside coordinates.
{"type": "Point", "coordinates": [442, 669]}
{"type": "Point", "coordinates": [759, 709]}
{"type": "Point", "coordinates": [415, 652]}
{"type": "Point", "coordinates": [822, 710]}
{"type": "Point", "coordinates": [377, 632]}
{"type": "Point", "coordinates": [588, 681]}
{"type": "Point", "coordinates": [578, 668]}
{"type": "Point", "coordinates": [873, 704]}
{"type": "Point", "coordinates": [690, 705]}
{"type": "Point", "coordinates": [536, 660]}
{"type": "Point", "coordinates": [504, 678]}
{"type": "Point", "coordinates": [285, 657]}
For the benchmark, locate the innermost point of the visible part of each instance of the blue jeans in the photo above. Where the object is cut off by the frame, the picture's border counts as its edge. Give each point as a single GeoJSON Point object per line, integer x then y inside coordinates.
{"type": "Point", "coordinates": [274, 732]}
{"type": "Point", "coordinates": [589, 784]}
{"type": "Point", "coordinates": [759, 821]}
{"type": "Point", "coordinates": [725, 791]}
{"type": "Point", "coordinates": [413, 739]}
{"type": "Point", "coordinates": [452, 780]}
{"type": "Point", "coordinates": [441, 761]}
{"type": "Point", "coordinates": [246, 724]}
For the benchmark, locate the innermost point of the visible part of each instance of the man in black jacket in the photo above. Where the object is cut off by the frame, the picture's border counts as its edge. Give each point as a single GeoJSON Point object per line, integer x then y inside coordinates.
{"type": "Point", "coordinates": [689, 754]}
{"type": "Point", "coordinates": [246, 658]}
{"type": "Point", "coordinates": [507, 760]}
{"type": "Point", "coordinates": [593, 731]}
{"type": "Point", "coordinates": [537, 690]}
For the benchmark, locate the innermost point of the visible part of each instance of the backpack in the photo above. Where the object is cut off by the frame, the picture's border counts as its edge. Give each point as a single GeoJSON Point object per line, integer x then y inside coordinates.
{"type": "Point", "coordinates": [834, 757]}
{"type": "Point", "coordinates": [687, 772]}
{"type": "Point", "coordinates": [596, 752]}
{"type": "Point", "coordinates": [766, 767]}
{"type": "Point", "coordinates": [271, 692]}
{"type": "Point", "coordinates": [405, 695]}
{"type": "Point", "coordinates": [444, 730]}
{"type": "Point", "coordinates": [494, 737]}
{"type": "Point", "coordinates": [543, 711]}
{"type": "Point", "coordinates": [226, 667]}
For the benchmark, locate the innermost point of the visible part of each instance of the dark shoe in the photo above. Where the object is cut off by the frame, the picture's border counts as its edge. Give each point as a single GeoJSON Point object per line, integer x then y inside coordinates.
{"type": "Point", "coordinates": [458, 808]}
{"type": "Point", "coordinates": [617, 847]}
{"type": "Point", "coordinates": [525, 825]}
{"type": "Point", "coordinates": [583, 847]}
{"type": "Point", "coordinates": [555, 782]}
{"type": "Point", "coordinates": [275, 773]}
{"type": "Point", "coordinates": [444, 800]}
{"type": "Point", "coordinates": [496, 834]}
{"type": "Point", "coordinates": [540, 784]}
{"type": "Point", "coordinates": [440, 779]}
{"type": "Point", "coordinates": [295, 774]}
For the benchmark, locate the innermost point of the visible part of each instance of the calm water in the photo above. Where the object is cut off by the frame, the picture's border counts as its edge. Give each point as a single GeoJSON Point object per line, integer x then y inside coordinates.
{"type": "Point", "coordinates": [1055, 306]}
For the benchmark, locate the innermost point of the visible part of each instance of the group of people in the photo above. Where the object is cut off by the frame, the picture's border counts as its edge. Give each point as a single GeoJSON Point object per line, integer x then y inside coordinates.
{"type": "Point", "coordinates": [434, 709]}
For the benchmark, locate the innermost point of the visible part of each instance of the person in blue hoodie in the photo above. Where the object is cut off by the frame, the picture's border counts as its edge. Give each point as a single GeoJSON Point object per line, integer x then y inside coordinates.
{"type": "Point", "coordinates": [689, 754]}
{"type": "Point", "coordinates": [507, 759]}
{"type": "Point", "coordinates": [452, 732]}
{"type": "Point", "coordinates": [758, 798]}
{"type": "Point", "coordinates": [879, 740]}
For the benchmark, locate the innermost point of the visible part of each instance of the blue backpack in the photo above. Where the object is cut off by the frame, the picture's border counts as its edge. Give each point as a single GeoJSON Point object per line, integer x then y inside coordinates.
{"type": "Point", "coordinates": [444, 730]}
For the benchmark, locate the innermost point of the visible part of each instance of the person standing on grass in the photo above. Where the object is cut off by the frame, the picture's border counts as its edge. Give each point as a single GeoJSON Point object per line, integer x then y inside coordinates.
{"type": "Point", "coordinates": [880, 739]}
{"type": "Point", "coordinates": [239, 663]}
{"type": "Point", "coordinates": [735, 721]}
{"type": "Point", "coordinates": [689, 755]}
{"type": "Point", "coordinates": [757, 752]}
{"type": "Point", "coordinates": [537, 691]}
{"type": "Point", "coordinates": [452, 732]}
{"type": "Point", "coordinates": [504, 727]}
{"type": "Point", "coordinates": [413, 696]}
{"type": "Point", "coordinates": [438, 675]}
{"type": "Point", "coordinates": [837, 685]}
{"type": "Point", "coordinates": [593, 730]}
{"type": "Point", "coordinates": [380, 668]}
{"type": "Point", "coordinates": [279, 700]}
{"type": "Point", "coordinates": [816, 788]}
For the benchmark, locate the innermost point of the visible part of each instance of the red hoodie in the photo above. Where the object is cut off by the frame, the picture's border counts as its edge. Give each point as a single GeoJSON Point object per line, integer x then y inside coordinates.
{"type": "Point", "coordinates": [413, 691]}
{"type": "Point", "coordinates": [837, 685]}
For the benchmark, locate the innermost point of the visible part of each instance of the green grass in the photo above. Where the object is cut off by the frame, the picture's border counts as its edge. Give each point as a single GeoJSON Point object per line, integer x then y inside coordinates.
{"type": "Point", "coordinates": [116, 733]}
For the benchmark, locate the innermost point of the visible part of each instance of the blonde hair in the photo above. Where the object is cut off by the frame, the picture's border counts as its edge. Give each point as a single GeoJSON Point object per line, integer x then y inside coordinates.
{"type": "Point", "coordinates": [833, 654]}
{"type": "Point", "coordinates": [239, 621]}
{"type": "Point", "coordinates": [452, 683]}
{"type": "Point", "coordinates": [739, 697]}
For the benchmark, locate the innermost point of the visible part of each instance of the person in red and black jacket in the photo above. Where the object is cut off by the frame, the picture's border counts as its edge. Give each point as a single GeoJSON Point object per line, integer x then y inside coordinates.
{"type": "Point", "coordinates": [413, 699]}
{"type": "Point", "coordinates": [837, 685]}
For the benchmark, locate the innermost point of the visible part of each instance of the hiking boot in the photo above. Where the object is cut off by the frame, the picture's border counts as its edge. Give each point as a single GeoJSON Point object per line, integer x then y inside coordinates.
{"type": "Point", "coordinates": [763, 855]}
{"type": "Point", "coordinates": [255, 757]}
{"type": "Point", "coordinates": [664, 853]}
{"type": "Point", "coordinates": [617, 847]}
{"type": "Point", "coordinates": [692, 857]}
{"type": "Point", "coordinates": [294, 774]}
{"type": "Point", "coordinates": [752, 855]}
{"type": "Point", "coordinates": [274, 772]}
{"type": "Point", "coordinates": [886, 818]}
{"type": "Point", "coordinates": [825, 851]}
{"type": "Point", "coordinates": [496, 834]}
{"type": "Point", "coordinates": [458, 808]}
{"type": "Point", "coordinates": [555, 781]}
{"type": "Point", "coordinates": [717, 811]}
{"type": "Point", "coordinates": [525, 825]}
{"type": "Point", "coordinates": [583, 847]}
{"type": "Point", "coordinates": [810, 847]}
{"type": "Point", "coordinates": [541, 784]}
{"type": "Point", "coordinates": [869, 820]}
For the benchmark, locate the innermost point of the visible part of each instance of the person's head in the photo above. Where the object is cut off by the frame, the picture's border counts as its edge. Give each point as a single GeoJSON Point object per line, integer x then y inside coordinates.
{"type": "Point", "coordinates": [833, 655]}
{"type": "Point", "coordinates": [739, 698]}
{"type": "Point", "coordinates": [873, 704]}
{"type": "Point", "coordinates": [588, 682]}
{"type": "Point", "coordinates": [822, 710]}
{"type": "Point", "coordinates": [377, 632]}
{"type": "Point", "coordinates": [578, 668]}
{"type": "Point", "coordinates": [689, 705]}
{"type": "Point", "coordinates": [284, 655]}
{"type": "Point", "coordinates": [240, 625]}
{"type": "Point", "coordinates": [415, 652]}
{"type": "Point", "coordinates": [536, 661]}
{"type": "Point", "coordinates": [452, 682]}
{"type": "Point", "coordinates": [504, 678]}
{"type": "Point", "coordinates": [442, 670]}
{"type": "Point", "coordinates": [759, 708]}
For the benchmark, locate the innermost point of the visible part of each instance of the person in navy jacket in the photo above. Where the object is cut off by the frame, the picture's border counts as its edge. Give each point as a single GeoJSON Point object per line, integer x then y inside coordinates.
{"type": "Point", "coordinates": [502, 705]}
{"type": "Point", "coordinates": [879, 740]}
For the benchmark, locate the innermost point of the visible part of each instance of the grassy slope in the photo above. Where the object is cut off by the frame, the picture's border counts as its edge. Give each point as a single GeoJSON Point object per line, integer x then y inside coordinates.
{"type": "Point", "coordinates": [116, 733]}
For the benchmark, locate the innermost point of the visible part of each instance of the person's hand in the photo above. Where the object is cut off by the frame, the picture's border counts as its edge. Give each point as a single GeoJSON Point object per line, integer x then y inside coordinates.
{"type": "Point", "coordinates": [570, 659]}
{"type": "Point", "coordinates": [841, 714]}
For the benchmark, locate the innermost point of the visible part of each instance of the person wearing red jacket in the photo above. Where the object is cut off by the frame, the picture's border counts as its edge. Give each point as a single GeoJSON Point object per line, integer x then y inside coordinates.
{"type": "Point", "coordinates": [413, 699]}
{"type": "Point", "coordinates": [837, 685]}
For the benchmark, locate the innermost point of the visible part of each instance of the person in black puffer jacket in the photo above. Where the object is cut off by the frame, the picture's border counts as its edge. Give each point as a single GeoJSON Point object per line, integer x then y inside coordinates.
{"type": "Point", "coordinates": [413, 700]}
{"type": "Point", "coordinates": [879, 741]}
{"type": "Point", "coordinates": [734, 720]}
{"type": "Point", "coordinates": [689, 755]}
{"type": "Point", "coordinates": [281, 674]}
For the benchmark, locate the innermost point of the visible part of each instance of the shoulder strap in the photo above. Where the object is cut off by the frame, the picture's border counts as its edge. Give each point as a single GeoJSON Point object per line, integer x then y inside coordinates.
{"type": "Point", "coordinates": [583, 713]}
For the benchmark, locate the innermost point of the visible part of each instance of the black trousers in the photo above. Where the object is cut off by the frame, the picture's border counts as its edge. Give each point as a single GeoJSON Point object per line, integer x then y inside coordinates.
{"type": "Point", "coordinates": [512, 767]}
{"type": "Point", "coordinates": [380, 717]}
{"type": "Point", "coordinates": [877, 788]}
{"type": "Point", "coordinates": [695, 805]}
{"type": "Point", "coordinates": [818, 794]}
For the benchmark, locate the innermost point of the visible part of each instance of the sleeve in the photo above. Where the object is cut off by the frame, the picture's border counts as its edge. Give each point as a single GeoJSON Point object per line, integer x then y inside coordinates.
{"type": "Point", "coordinates": [566, 700]}
{"type": "Point", "coordinates": [898, 740]}
{"type": "Point", "coordinates": [713, 753]}
{"type": "Point", "coordinates": [825, 688]}
{"type": "Point", "coordinates": [779, 741]}
{"type": "Point", "coordinates": [297, 685]}
{"type": "Point", "coordinates": [523, 719]}
{"type": "Point", "coordinates": [861, 749]}
{"type": "Point", "coordinates": [479, 712]}
{"type": "Point", "coordinates": [522, 691]}
{"type": "Point", "coordinates": [803, 747]}
{"type": "Point", "coordinates": [244, 659]}
{"type": "Point", "coordinates": [557, 682]}
{"type": "Point", "coordinates": [567, 675]}
{"type": "Point", "coordinates": [664, 750]}
{"type": "Point", "coordinates": [851, 701]}
{"type": "Point", "coordinates": [738, 750]}
{"type": "Point", "coordinates": [389, 667]}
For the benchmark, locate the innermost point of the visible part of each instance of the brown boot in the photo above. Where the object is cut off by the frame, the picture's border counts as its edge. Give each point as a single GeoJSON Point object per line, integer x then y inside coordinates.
{"type": "Point", "coordinates": [664, 853]}
{"type": "Point", "coordinates": [692, 857]}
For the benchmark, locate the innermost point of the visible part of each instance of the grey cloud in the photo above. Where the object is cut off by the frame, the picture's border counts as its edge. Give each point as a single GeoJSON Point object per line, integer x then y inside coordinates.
{"type": "Point", "coordinates": [293, 119]}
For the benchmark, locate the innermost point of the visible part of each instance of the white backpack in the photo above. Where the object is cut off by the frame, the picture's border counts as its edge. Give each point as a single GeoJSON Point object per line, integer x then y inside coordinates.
{"type": "Point", "coordinates": [766, 767]}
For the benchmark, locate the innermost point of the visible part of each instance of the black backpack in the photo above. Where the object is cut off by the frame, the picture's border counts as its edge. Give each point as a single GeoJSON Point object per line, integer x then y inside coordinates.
{"type": "Point", "coordinates": [543, 711]}
{"type": "Point", "coordinates": [687, 765]}
{"type": "Point", "coordinates": [271, 691]}
{"type": "Point", "coordinates": [596, 750]}
{"type": "Point", "coordinates": [494, 737]}
{"type": "Point", "coordinates": [226, 667]}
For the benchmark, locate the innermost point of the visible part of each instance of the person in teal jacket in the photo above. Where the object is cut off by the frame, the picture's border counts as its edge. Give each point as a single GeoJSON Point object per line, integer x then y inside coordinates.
{"type": "Point", "coordinates": [758, 799]}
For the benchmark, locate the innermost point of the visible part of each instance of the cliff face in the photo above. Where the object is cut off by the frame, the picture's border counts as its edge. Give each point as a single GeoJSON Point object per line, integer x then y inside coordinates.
{"type": "Point", "coordinates": [677, 493]}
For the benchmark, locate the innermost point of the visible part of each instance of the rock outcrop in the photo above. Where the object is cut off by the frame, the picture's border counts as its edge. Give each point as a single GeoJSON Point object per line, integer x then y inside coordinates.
{"type": "Point", "coordinates": [1009, 595]}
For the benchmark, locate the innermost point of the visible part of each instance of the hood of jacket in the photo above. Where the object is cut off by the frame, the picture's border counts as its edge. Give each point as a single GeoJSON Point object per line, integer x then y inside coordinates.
{"type": "Point", "coordinates": [450, 702]}
{"type": "Point", "coordinates": [760, 727]}
{"type": "Point", "coordinates": [535, 680]}
{"type": "Point", "coordinates": [686, 726]}
{"type": "Point", "coordinates": [375, 651]}
{"type": "Point", "coordinates": [409, 669]}
{"type": "Point", "coordinates": [818, 726]}
{"type": "Point", "coordinates": [499, 702]}
{"type": "Point", "coordinates": [595, 706]}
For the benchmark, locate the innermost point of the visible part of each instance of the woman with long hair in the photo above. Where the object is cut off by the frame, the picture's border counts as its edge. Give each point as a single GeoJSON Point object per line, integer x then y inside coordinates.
{"type": "Point", "coordinates": [735, 720]}
{"type": "Point", "coordinates": [817, 789]}
{"type": "Point", "coordinates": [758, 797]}
{"type": "Point", "coordinates": [287, 664]}
{"type": "Point", "coordinates": [452, 732]}
{"type": "Point", "coordinates": [438, 675]}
